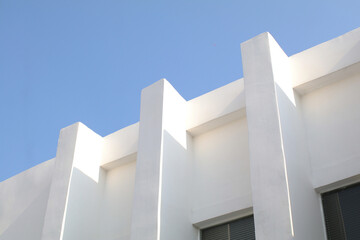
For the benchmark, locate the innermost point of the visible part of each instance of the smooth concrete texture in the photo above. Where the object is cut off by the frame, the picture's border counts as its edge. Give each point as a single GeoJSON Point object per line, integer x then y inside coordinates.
{"type": "Point", "coordinates": [309, 224]}
{"type": "Point", "coordinates": [325, 58]}
{"type": "Point", "coordinates": [60, 184]}
{"type": "Point", "coordinates": [221, 182]}
{"type": "Point", "coordinates": [216, 108]}
{"type": "Point", "coordinates": [333, 130]}
{"type": "Point", "coordinates": [175, 212]}
{"type": "Point", "coordinates": [113, 155]}
{"type": "Point", "coordinates": [76, 169]}
{"type": "Point", "coordinates": [162, 184]}
{"type": "Point", "coordinates": [85, 192]}
{"type": "Point", "coordinates": [268, 144]}
{"type": "Point", "coordinates": [269, 178]}
{"type": "Point", "coordinates": [23, 201]}
{"type": "Point", "coordinates": [146, 213]}
{"type": "Point", "coordinates": [280, 169]}
{"type": "Point", "coordinates": [117, 202]}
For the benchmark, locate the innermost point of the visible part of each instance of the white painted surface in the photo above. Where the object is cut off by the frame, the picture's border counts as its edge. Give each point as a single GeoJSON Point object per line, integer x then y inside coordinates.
{"type": "Point", "coordinates": [60, 183]}
{"type": "Point", "coordinates": [23, 200]}
{"type": "Point", "coordinates": [145, 216]}
{"type": "Point", "coordinates": [74, 186]}
{"type": "Point", "coordinates": [161, 201]}
{"type": "Point", "coordinates": [216, 108]}
{"type": "Point", "coordinates": [117, 201]}
{"type": "Point", "coordinates": [221, 182]}
{"type": "Point", "coordinates": [189, 164]}
{"type": "Point", "coordinates": [326, 58]}
{"type": "Point", "coordinates": [86, 187]}
{"type": "Point", "coordinates": [175, 212]}
{"type": "Point", "coordinates": [280, 166]}
{"type": "Point", "coordinates": [332, 116]}
{"type": "Point", "coordinates": [120, 146]}
{"type": "Point", "coordinates": [307, 224]}
{"type": "Point", "coordinates": [270, 193]}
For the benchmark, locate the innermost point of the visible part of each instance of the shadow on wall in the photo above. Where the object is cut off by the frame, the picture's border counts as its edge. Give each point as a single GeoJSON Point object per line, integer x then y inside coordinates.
{"type": "Point", "coordinates": [30, 221]}
{"type": "Point", "coordinates": [176, 189]}
{"type": "Point", "coordinates": [82, 219]}
{"type": "Point", "coordinates": [350, 55]}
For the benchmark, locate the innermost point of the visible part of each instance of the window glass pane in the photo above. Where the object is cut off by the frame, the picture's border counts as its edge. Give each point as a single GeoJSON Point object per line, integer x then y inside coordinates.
{"type": "Point", "coordinates": [216, 233]}
{"type": "Point", "coordinates": [342, 213]}
{"type": "Point", "coordinates": [242, 229]}
{"type": "Point", "coordinates": [333, 219]}
{"type": "Point", "coordinates": [350, 208]}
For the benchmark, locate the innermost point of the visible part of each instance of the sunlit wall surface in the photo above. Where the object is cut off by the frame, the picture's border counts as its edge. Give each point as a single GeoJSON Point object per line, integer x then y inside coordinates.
{"type": "Point", "coordinates": [263, 157]}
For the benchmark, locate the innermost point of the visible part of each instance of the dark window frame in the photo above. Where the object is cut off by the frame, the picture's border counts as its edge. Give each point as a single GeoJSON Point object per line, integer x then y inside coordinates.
{"type": "Point", "coordinates": [238, 229]}
{"type": "Point", "coordinates": [342, 212]}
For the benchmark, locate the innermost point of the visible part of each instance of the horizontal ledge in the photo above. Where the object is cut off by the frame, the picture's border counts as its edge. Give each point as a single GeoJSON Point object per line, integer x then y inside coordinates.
{"type": "Point", "coordinates": [225, 211]}
{"type": "Point", "coordinates": [325, 80]}
{"type": "Point", "coordinates": [224, 218]}
{"type": "Point", "coordinates": [338, 184]}
{"type": "Point", "coordinates": [215, 104]}
{"type": "Point", "coordinates": [121, 161]}
{"type": "Point", "coordinates": [217, 122]}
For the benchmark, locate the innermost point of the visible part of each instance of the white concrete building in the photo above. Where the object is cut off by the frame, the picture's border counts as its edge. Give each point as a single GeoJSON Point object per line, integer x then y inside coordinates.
{"type": "Point", "coordinates": [270, 145]}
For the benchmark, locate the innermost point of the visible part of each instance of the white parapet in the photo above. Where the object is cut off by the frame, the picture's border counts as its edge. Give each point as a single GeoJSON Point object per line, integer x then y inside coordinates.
{"type": "Point", "coordinates": [268, 144]}
{"type": "Point", "coordinates": [77, 167]}
{"type": "Point", "coordinates": [161, 201]}
{"type": "Point", "coordinates": [280, 165]}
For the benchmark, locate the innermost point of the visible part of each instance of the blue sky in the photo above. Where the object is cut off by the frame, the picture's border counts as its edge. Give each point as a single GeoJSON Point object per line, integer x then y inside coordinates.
{"type": "Point", "coordinates": [67, 61]}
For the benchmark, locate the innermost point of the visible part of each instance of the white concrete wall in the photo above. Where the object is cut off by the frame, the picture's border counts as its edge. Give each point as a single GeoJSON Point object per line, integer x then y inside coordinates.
{"type": "Point", "coordinates": [284, 201]}
{"type": "Point", "coordinates": [81, 220]}
{"type": "Point", "coordinates": [161, 199]}
{"type": "Point", "coordinates": [189, 165]}
{"type": "Point", "coordinates": [23, 201]}
{"type": "Point", "coordinates": [304, 201]}
{"type": "Point", "coordinates": [332, 117]}
{"type": "Point", "coordinates": [84, 207]}
{"type": "Point", "coordinates": [120, 147]}
{"type": "Point", "coordinates": [73, 199]}
{"type": "Point", "coordinates": [325, 58]}
{"type": "Point", "coordinates": [175, 212]}
{"type": "Point", "coordinates": [216, 108]}
{"type": "Point", "coordinates": [221, 181]}
{"type": "Point", "coordinates": [117, 201]}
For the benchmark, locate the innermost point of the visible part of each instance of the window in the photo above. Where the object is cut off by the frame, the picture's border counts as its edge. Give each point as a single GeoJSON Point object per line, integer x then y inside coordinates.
{"type": "Point", "coordinates": [342, 213]}
{"type": "Point", "coordinates": [241, 229]}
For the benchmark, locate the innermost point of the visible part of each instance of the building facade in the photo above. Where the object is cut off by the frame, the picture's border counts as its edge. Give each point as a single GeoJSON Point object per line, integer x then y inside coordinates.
{"type": "Point", "coordinates": [273, 155]}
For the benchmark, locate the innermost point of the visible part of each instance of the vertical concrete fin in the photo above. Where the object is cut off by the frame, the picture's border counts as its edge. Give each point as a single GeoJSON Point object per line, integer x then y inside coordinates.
{"type": "Point", "coordinates": [161, 209]}
{"type": "Point", "coordinates": [280, 167]}
{"type": "Point", "coordinates": [270, 192]}
{"type": "Point", "coordinates": [145, 218]}
{"type": "Point", "coordinates": [77, 166]}
{"type": "Point", "coordinates": [56, 207]}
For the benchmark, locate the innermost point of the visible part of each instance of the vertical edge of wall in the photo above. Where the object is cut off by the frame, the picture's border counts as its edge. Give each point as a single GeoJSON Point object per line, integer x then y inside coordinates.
{"type": "Point", "coordinates": [161, 209]}
{"type": "Point", "coordinates": [60, 183]}
{"type": "Point", "coordinates": [283, 197]}
{"type": "Point", "coordinates": [269, 183]}
{"type": "Point", "coordinates": [175, 222]}
{"type": "Point", "coordinates": [305, 201]}
{"type": "Point", "coordinates": [145, 219]}
{"type": "Point", "coordinates": [78, 153]}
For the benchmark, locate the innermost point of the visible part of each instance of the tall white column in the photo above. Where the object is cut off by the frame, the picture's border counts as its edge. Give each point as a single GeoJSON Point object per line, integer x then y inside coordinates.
{"type": "Point", "coordinates": [284, 201]}
{"type": "Point", "coordinates": [161, 207]}
{"type": "Point", "coordinates": [74, 185]}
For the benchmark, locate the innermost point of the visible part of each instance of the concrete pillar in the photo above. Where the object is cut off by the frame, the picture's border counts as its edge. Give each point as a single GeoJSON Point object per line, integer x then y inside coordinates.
{"type": "Point", "coordinates": [74, 185]}
{"type": "Point", "coordinates": [161, 207]}
{"type": "Point", "coordinates": [284, 201]}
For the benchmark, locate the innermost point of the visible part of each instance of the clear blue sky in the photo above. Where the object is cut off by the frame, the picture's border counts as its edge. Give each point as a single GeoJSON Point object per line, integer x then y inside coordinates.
{"type": "Point", "coordinates": [87, 60]}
